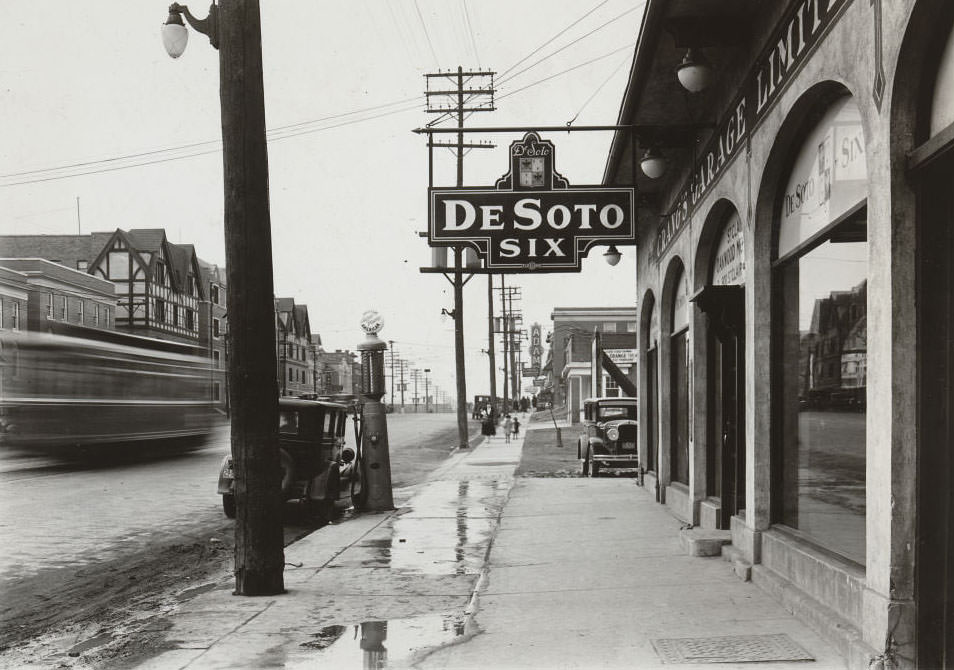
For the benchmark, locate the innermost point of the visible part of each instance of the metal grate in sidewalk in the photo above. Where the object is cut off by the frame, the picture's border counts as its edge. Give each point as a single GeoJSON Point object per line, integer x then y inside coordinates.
{"type": "Point", "coordinates": [730, 649]}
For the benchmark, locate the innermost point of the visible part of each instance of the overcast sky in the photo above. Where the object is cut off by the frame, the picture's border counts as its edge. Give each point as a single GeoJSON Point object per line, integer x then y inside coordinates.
{"type": "Point", "coordinates": [89, 85]}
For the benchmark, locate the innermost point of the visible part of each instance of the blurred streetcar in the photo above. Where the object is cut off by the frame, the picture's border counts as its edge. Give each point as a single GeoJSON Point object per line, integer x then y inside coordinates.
{"type": "Point", "coordinates": [71, 393]}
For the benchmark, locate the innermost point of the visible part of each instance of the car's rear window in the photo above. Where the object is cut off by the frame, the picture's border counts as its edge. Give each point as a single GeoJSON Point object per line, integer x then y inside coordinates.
{"type": "Point", "coordinates": [288, 422]}
{"type": "Point", "coordinates": [617, 412]}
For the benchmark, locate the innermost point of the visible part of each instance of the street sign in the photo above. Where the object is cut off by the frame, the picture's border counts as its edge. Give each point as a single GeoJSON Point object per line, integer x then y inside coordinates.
{"type": "Point", "coordinates": [531, 371]}
{"type": "Point", "coordinates": [532, 220]}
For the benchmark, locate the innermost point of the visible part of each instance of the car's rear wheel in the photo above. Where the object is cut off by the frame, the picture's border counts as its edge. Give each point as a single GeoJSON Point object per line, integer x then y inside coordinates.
{"type": "Point", "coordinates": [228, 505]}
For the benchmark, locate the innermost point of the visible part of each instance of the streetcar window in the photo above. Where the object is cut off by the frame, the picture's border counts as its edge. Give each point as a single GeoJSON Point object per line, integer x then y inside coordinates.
{"type": "Point", "coordinates": [288, 422]}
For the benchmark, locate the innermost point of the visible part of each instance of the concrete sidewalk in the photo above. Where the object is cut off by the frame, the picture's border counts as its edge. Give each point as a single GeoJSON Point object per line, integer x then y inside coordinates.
{"type": "Point", "coordinates": [477, 570]}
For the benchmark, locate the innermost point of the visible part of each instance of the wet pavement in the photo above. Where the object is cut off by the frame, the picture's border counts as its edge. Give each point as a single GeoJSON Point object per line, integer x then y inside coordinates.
{"type": "Point", "coordinates": [66, 515]}
{"type": "Point", "coordinates": [477, 569]}
{"type": "Point", "coordinates": [377, 590]}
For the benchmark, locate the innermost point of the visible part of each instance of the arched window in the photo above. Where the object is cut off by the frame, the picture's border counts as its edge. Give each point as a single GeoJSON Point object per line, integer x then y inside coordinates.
{"type": "Point", "coordinates": [820, 311]}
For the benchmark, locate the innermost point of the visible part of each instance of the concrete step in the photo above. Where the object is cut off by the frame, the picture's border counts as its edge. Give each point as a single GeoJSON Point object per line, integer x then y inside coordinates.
{"type": "Point", "coordinates": [702, 542]}
{"type": "Point", "coordinates": [742, 568]}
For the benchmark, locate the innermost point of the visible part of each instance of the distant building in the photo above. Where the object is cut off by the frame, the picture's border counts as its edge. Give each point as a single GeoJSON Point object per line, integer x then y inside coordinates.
{"type": "Point", "coordinates": [158, 292]}
{"type": "Point", "coordinates": [213, 325]}
{"type": "Point", "coordinates": [340, 372]}
{"type": "Point", "coordinates": [294, 344]}
{"type": "Point", "coordinates": [37, 295]}
{"type": "Point", "coordinates": [570, 386]}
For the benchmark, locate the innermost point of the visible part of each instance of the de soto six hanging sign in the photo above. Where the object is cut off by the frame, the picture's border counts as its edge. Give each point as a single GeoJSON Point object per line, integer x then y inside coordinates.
{"type": "Point", "coordinates": [532, 220]}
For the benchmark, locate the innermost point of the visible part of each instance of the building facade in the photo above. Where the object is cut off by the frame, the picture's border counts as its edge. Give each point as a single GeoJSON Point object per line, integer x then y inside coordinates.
{"type": "Point", "coordinates": [38, 295]}
{"type": "Point", "coordinates": [213, 325]}
{"type": "Point", "coordinates": [795, 280]}
{"type": "Point", "coordinates": [158, 287]}
{"type": "Point", "coordinates": [570, 343]}
{"type": "Point", "coordinates": [293, 348]}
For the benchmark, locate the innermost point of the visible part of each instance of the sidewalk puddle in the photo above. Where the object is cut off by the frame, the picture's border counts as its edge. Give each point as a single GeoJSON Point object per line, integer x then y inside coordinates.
{"type": "Point", "coordinates": [445, 531]}
{"type": "Point", "coordinates": [377, 644]}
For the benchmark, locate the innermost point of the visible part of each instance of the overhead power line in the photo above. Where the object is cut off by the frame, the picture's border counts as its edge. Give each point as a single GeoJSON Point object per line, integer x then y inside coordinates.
{"type": "Point", "coordinates": [570, 69]}
{"type": "Point", "coordinates": [134, 159]}
{"type": "Point", "coordinates": [194, 149]}
{"type": "Point", "coordinates": [504, 80]}
{"type": "Point", "coordinates": [193, 145]}
{"type": "Point", "coordinates": [549, 41]}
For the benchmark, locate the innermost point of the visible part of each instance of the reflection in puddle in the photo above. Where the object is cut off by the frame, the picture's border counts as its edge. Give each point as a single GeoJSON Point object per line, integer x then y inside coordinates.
{"type": "Point", "coordinates": [444, 532]}
{"type": "Point", "coordinates": [378, 644]}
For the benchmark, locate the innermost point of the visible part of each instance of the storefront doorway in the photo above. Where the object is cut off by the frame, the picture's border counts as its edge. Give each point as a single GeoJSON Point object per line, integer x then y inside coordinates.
{"type": "Point", "coordinates": [723, 303]}
{"type": "Point", "coordinates": [725, 444]}
{"type": "Point", "coordinates": [935, 551]}
{"type": "Point", "coordinates": [934, 176]}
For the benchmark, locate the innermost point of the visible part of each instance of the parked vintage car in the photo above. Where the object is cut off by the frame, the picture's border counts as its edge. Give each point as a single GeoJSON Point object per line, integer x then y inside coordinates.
{"type": "Point", "coordinates": [608, 436]}
{"type": "Point", "coordinates": [319, 470]}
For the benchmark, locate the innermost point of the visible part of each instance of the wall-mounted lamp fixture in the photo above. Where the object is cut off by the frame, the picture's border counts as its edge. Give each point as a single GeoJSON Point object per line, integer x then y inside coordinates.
{"type": "Point", "coordinates": [653, 163]}
{"type": "Point", "coordinates": [694, 72]}
{"type": "Point", "coordinates": [447, 313]}
{"type": "Point", "coordinates": [612, 255]}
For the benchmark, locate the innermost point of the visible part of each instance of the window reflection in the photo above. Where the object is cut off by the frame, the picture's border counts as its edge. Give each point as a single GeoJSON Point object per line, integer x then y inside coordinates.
{"type": "Point", "coordinates": [823, 382]}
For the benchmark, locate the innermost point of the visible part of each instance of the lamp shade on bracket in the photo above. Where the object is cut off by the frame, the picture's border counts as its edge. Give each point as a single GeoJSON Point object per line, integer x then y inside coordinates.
{"type": "Point", "coordinates": [612, 255]}
{"type": "Point", "coordinates": [175, 36]}
{"type": "Point", "coordinates": [694, 72]}
{"type": "Point", "coordinates": [653, 163]}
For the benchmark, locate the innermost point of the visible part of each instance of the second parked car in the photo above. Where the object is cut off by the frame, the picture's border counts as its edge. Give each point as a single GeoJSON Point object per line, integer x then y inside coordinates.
{"type": "Point", "coordinates": [608, 437]}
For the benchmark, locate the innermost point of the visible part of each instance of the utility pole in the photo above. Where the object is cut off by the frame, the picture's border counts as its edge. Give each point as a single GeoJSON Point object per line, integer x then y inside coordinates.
{"type": "Point", "coordinates": [427, 397]}
{"type": "Point", "coordinates": [391, 355]}
{"type": "Point", "coordinates": [235, 29]}
{"type": "Point", "coordinates": [473, 103]}
{"type": "Point", "coordinates": [504, 322]}
{"type": "Point", "coordinates": [415, 375]}
{"type": "Point", "coordinates": [490, 344]}
{"type": "Point", "coordinates": [403, 365]}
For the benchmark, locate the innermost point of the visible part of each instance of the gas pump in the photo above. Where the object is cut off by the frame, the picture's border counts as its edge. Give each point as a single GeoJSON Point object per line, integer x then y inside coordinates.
{"type": "Point", "coordinates": [373, 455]}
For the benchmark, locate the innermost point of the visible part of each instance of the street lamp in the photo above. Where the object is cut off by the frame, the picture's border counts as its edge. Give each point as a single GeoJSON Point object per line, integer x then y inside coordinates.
{"type": "Point", "coordinates": [447, 313]}
{"type": "Point", "coordinates": [694, 72]}
{"type": "Point", "coordinates": [175, 37]}
{"type": "Point", "coordinates": [612, 255]}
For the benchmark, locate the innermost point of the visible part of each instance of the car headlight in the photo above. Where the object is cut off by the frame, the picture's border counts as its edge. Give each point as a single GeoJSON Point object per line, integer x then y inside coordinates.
{"type": "Point", "coordinates": [613, 433]}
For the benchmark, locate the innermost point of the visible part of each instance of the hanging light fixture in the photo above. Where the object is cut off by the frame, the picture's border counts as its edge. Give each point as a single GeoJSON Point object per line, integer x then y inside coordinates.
{"type": "Point", "coordinates": [175, 37]}
{"type": "Point", "coordinates": [653, 163]}
{"type": "Point", "coordinates": [612, 255]}
{"type": "Point", "coordinates": [694, 72]}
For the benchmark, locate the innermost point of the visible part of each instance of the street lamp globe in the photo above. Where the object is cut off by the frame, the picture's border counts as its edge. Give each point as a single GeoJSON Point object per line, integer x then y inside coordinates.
{"type": "Point", "coordinates": [175, 36]}
{"type": "Point", "coordinates": [612, 255]}
{"type": "Point", "coordinates": [694, 72]}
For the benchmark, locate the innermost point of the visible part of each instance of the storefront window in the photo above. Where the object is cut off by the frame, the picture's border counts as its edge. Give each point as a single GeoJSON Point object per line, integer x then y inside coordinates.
{"type": "Point", "coordinates": [821, 367]}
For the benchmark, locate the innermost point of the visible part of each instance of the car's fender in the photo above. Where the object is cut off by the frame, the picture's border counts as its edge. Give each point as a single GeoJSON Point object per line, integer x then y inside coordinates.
{"type": "Point", "coordinates": [226, 484]}
{"type": "Point", "coordinates": [596, 444]}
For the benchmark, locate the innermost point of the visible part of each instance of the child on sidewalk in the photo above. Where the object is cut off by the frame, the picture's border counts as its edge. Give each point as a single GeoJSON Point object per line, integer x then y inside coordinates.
{"type": "Point", "coordinates": [508, 427]}
{"type": "Point", "coordinates": [516, 427]}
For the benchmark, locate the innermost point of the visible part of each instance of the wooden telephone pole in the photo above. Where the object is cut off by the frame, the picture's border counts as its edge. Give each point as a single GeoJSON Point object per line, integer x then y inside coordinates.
{"type": "Point", "coordinates": [476, 101]}
{"type": "Point", "coordinates": [259, 553]}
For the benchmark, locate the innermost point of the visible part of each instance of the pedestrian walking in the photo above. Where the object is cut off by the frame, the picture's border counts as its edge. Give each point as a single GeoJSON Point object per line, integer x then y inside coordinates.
{"type": "Point", "coordinates": [516, 427]}
{"type": "Point", "coordinates": [508, 427]}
